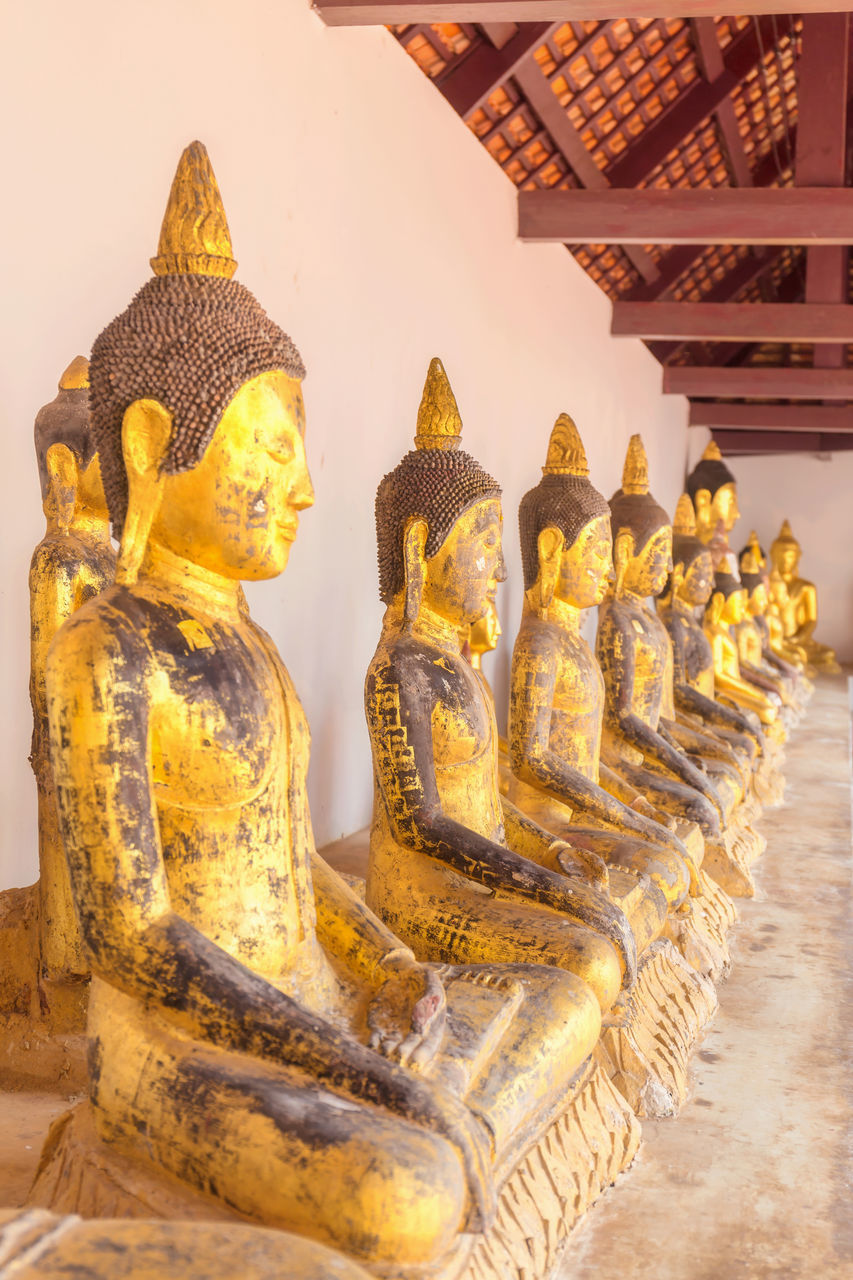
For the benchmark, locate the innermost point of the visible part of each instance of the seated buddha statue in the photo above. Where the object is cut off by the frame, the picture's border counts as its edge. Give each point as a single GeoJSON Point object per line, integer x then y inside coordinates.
{"type": "Point", "coordinates": [724, 611]}
{"type": "Point", "coordinates": [456, 869]}
{"type": "Point", "coordinates": [749, 639]}
{"type": "Point", "coordinates": [756, 583]}
{"type": "Point", "coordinates": [800, 620]}
{"type": "Point", "coordinates": [73, 562]}
{"type": "Point", "coordinates": [689, 589]}
{"type": "Point", "coordinates": [258, 1037]}
{"type": "Point", "coordinates": [713, 492]}
{"type": "Point", "coordinates": [635, 656]}
{"type": "Point", "coordinates": [556, 708]}
{"type": "Point", "coordinates": [775, 616]}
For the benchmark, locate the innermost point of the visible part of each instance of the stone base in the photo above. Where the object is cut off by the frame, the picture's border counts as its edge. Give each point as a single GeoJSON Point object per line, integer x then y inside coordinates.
{"type": "Point", "coordinates": [42, 1023]}
{"type": "Point", "coordinates": [578, 1153]}
{"type": "Point", "coordinates": [701, 931]}
{"type": "Point", "coordinates": [646, 1054]}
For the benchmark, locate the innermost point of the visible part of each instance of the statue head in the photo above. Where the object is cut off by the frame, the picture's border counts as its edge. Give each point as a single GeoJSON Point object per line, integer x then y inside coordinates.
{"type": "Point", "coordinates": [642, 532]}
{"type": "Point", "coordinates": [728, 603]}
{"type": "Point", "coordinates": [713, 489]}
{"type": "Point", "coordinates": [564, 523]}
{"type": "Point", "coordinates": [197, 404]}
{"type": "Point", "coordinates": [69, 469]}
{"type": "Point", "coordinates": [755, 582]}
{"type": "Point", "coordinates": [785, 552]}
{"type": "Point", "coordinates": [693, 570]}
{"type": "Point", "coordinates": [483, 636]}
{"type": "Point", "coordinates": [438, 519]}
{"type": "Point", "coordinates": [754, 549]}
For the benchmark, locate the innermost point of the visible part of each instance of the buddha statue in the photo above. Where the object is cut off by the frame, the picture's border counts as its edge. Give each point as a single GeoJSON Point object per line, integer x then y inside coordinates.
{"type": "Point", "coordinates": [800, 619]}
{"type": "Point", "coordinates": [259, 1039]}
{"type": "Point", "coordinates": [689, 588]}
{"type": "Point", "coordinates": [462, 874]}
{"type": "Point", "coordinates": [776, 615]}
{"type": "Point", "coordinates": [556, 706]}
{"type": "Point", "coordinates": [641, 740]}
{"type": "Point", "coordinates": [756, 583]}
{"type": "Point", "coordinates": [43, 971]}
{"type": "Point", "coordinates": [725, 611]}
{"type": "Point", "coordinates": [73, 562]}
{"type": "Point", "coordinates": [713, 492]}
{"type": "Point", "coordinates": [749, 639]}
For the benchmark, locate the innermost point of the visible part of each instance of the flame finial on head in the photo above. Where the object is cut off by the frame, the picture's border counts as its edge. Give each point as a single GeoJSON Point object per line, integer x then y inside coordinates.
{"type": "Point", "coordinates": [566, 455]}
{"type": "Point", "coordinates": [194, 237]}
{"type": "Point", "coordinates": [684, 521]}
{"type": "Point", "coordinates": [439, 422]}
{"type": "Point", "coordinates": [76, 376]}
{"type": "Point", "coordinates": [712, 452]}
{"type": "Point", "coordinates": [635, 473]}
{"type": "Point", "coordinates": [786, 533]}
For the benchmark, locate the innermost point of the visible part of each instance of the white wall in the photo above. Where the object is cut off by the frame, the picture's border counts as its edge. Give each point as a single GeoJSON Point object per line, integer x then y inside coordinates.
{"type": "Point", "coordinates": [815, 495]}
{"type": "Point", "coordinates": [372, 226]}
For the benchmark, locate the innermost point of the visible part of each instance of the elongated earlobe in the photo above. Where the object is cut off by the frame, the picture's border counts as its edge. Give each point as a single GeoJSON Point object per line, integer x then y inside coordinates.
{"type": "Point", "coordinates": [414, 559]}
{"type": "Point", "coordinates": [60, 504]}
{"type": "Point", "coordinates": [145, 433]}
{"type": "Point", "coordinates": [550, 545]}
{"type": "Point", "coordinates": [623, 552]}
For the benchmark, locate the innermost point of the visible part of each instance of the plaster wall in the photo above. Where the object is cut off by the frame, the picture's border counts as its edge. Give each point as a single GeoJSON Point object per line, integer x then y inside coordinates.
{"type": "Point", "coordinates": [373, 227]}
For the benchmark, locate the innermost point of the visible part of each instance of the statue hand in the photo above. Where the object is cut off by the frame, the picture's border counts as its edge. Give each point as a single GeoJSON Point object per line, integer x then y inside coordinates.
{"type": "Point", "coordinates": [582, 864]}
{"type": "Point", "coordinates": [406, 1016]}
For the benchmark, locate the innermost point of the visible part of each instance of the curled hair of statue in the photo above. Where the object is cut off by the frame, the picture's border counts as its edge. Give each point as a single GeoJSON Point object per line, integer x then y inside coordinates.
{"type": "Point", "coordinates": [563, 499]}
{"type": "Point", "coordinates": [189, 339]}
{"type": "Point", "coordinates": [710, 472]}
{"type": "Point", "coordinates": [633, 507]}
{"type": "Point", "coordinates": [435, 482]}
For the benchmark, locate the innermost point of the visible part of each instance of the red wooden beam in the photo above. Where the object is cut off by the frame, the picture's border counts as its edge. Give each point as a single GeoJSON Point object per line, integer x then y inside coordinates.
{"type": "Point", "coordinates": [691, 108]}
{"type": "Point", "coordinates": [733, 321]}
{"type": "Point", "coordinates": [743, 443]}
{"type": "Point", "coordinates": [541, 97]}
{"type": "Point", "coordinates": [822, 148]}
{"type": "Point", "coordinates": [826, 418]}
{"type": "Point", "coordinates": [748, 382]}
{"type": "Point", "coordinates": [711, 61]}
{"type": "Point", "coordinates": [352, 13]}
{"type": "Point", "coordinates": [468, 83]}
{"type": "Point", "coordinates": [725, 215]}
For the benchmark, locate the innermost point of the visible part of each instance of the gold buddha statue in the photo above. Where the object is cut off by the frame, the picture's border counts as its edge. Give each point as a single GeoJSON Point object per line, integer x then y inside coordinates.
{"type": "Point", "coordinates": [713, 492]}
{"type": "Point", "coordinates": [775, 616]}
{"type": "Point", "coordinates": [455, 868]}
{"type": "Point", "coordinates": [556, 710]}
{"type": "Point", "coordinates": [800, 619]}
{"type": "Point", "coordinates": [754, 638]}
{"type": "Point", "coordinates": [749, 638]}
{"type": "Point", "coordinates": [642, 740]}
{"type": "Point", "coordinates": [259, 1040]}
{"type": "Point", "coordinates": [725, 610]}
{"type": "Point", "coordinates": [689, 588]}
{"type": "Point", "coordinates": [73, 562]}
{"type": "Point", "coordinates": [43, 972]}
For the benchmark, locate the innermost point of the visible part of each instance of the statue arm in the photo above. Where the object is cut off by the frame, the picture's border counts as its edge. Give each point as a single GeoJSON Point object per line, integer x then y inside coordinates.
{"type": "Point", "coordinates": [621, 663]}
{"type": "Point", "coordinates": [349, 930]}
{"type": "Point", "coordinates": [715, 713]}
{"type": "Point", "coordinates": [526, 837]}
{"type": "Point", "coordinates": [51, 602]}
{"type": "Point", "coordinates": [399, 705]}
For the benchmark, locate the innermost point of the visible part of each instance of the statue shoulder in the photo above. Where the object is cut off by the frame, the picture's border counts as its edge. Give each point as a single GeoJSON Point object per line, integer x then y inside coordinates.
{"type": "Point", "coordinates": [105, 634]}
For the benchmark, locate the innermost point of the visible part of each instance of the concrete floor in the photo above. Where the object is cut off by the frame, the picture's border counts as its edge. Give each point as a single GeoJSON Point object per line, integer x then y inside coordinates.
{"type": "Point", "coordinates": [754, 1177]}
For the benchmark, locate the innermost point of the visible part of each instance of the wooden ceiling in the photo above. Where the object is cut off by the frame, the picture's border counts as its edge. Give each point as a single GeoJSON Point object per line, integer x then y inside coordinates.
{"type": "Point", "coordinates": [697, 167]}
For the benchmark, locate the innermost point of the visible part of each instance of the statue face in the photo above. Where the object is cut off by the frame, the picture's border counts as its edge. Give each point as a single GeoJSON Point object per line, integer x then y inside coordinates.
{"type": "Point", "coordinates": [462, 577]}
{"type": "Point", "coordinates": [758, 601]}
{"type": "Point", "coordinates": [787, 559]}
{"type": "Point", "coordinates": [725, 506]}
{"type": "Point", "coordinates": [587, 566]}
{"type": "Point", "coordinates": [698, 582]}
{"type": "Point", "coordinates": [649, 569]}
{"type": "Point", "coordinates": [236, 513]}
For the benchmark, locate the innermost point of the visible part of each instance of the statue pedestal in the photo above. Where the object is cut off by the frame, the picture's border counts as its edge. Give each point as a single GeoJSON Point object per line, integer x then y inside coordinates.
{"type": "Point", "coordinates": [42, 1023]}
{"type": "Point", "coordinates": [574, 1155]}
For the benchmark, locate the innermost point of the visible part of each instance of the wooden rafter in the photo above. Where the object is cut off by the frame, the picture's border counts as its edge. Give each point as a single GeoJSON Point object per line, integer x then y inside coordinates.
{"type": "Point", "coordinates": [349, 13]}
{"type": "Point", "coordinates": [469, 82]}
{"type": "Point", "coordinates": [827, 418]}
{"type": "Point", "coordinates": [756, 382]}
{"type": "Point", "coordinates": [734, 321]}
{"type": "Point", "coordinates": [713, 66]}
{"type": "Point", "coordinates": [743, 443]}
{"type": "Point", "coordinates": [725, 215]}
